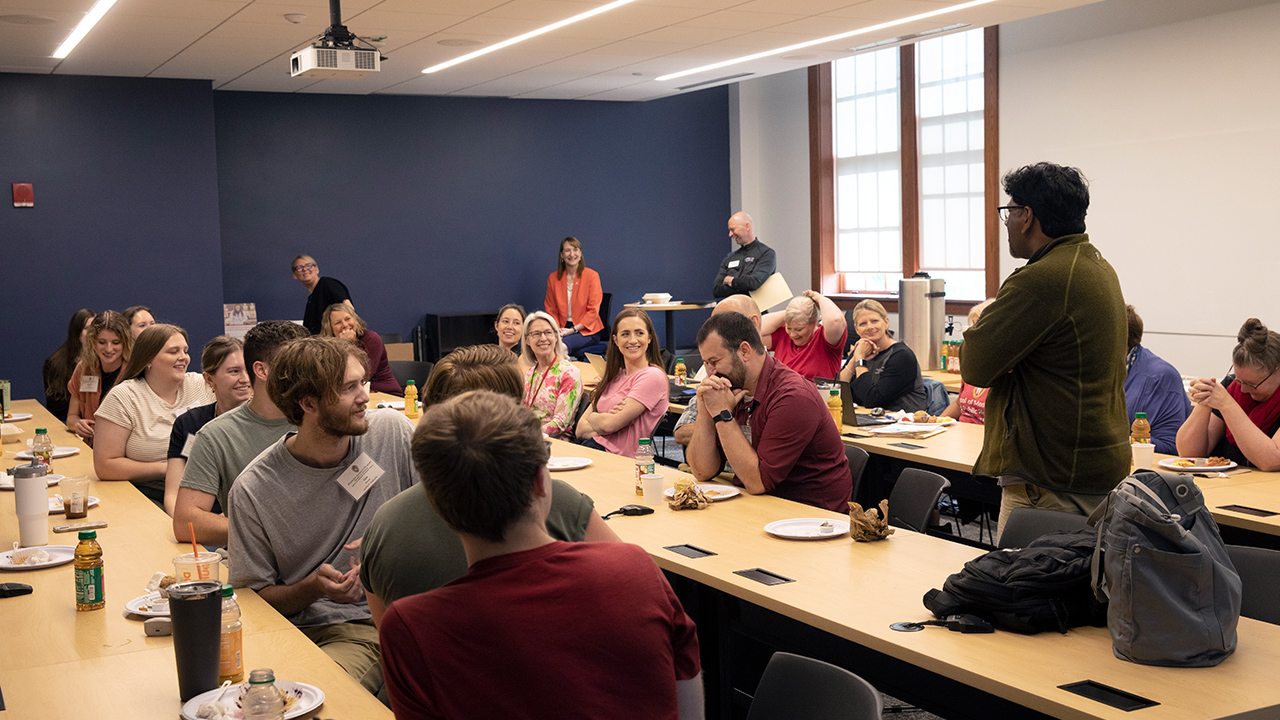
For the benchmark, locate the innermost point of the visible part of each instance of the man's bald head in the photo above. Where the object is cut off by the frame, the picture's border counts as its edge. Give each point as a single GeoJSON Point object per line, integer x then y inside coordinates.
{"type": "Point", "coordinates": [740, 228]}
{"type": "Point", "coordinates": [740, 304]}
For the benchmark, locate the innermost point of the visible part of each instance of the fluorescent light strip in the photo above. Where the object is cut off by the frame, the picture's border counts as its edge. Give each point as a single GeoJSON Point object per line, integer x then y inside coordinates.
{"type": "Point", "coordinates": [521, 38]}
{"type": "Point", "coordinates": [95, 14]}
{"type": "Point", "coordinates": [820, 41]}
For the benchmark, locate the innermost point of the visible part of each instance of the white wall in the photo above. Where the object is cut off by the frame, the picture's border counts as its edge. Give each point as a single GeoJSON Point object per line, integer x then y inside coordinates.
{"type": "Point", "coordinates": [769, 166]}
{"type": "Point", "coordinates": [1176, 126]}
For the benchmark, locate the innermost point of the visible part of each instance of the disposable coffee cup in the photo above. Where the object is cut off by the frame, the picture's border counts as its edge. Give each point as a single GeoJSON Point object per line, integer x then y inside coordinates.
{"type": "Point", "coordinates": [652, 488]}
{"type": "Point", "coordinates": [1144, 456]}
{"type": "Point", "coordinates": [195, 608]}
{"type": "Point", "coordinates": [31, 499]}
{"type": "Point", "coordinates": [188, 567]}
{"type": "Point", "coordinates": [75, 496]}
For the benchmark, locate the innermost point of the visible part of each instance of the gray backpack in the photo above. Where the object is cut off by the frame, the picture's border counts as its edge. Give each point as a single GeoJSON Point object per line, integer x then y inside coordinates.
{"type": "Point", "coordinates": [1174, 596]}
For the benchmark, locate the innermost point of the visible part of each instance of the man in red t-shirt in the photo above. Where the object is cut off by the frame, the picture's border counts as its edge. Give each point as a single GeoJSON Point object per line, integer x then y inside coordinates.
{"type": "Point", "coordinates": [537, 628]}
{"type": "Point", "coordinates": [790, 446]}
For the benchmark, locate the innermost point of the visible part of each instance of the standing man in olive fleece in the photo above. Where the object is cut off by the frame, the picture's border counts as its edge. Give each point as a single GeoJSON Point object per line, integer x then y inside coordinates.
{"type": "Point", "coordinates": [1052, 350]}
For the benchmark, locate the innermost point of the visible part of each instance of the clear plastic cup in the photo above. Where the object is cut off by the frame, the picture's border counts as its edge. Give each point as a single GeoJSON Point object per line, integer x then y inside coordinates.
{"type": "Point", "coordinates": [187, 568]}
{"type": "Point", "coordinates": [652, 487]}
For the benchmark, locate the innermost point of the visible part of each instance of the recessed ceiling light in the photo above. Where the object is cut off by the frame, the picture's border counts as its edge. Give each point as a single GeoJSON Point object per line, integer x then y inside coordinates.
{"type": "Point", "coordinates": [99, 9]}
{"type": "Point", "coordinates": [459, 42]}
{"type": "Point", "coordinates": [829, 38]}
{"type": "Point", "coordinates": [26, 20]}
{"type": "Point", "coordinates": [531, 34]}
{"type": "Point", "coordinates": [295, 18]}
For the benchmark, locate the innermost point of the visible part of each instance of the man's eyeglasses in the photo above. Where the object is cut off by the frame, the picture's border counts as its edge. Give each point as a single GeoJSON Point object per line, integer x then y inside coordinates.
{"type": "Point", "coordinates": [1260, 383]}
{"type": "Point", "coordinates": [303, 266]}
{"type": "Point", "coordinates": [1004, 210]}
{"type": "Point", "coordinates": [538, 335]}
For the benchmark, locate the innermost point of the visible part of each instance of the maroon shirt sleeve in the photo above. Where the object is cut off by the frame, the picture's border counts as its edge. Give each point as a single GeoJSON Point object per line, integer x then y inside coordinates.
{"type": "Point", "coordinates": [790, 428]}
{"type": "Point", "coordinates": [404, 669]}
{"type": "Point", "coordinates": [381, 379]}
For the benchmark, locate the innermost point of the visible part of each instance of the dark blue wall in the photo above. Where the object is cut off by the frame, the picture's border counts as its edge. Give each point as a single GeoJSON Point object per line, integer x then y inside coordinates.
{"type": "Point", "coordinates": [165, 193]}
{"type": "Point", "coordinates": [126, 209]}
{"type": "Point", "coordinates": [430, 204]}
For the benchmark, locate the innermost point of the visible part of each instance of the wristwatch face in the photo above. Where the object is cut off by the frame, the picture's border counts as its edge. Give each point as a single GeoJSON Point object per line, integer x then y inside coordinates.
{"type": "Point", "coordinates": [724, 416]}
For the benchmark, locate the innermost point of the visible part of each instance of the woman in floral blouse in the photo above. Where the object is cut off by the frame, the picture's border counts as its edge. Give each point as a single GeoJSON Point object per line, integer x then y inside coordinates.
{"type": "Point", "coordinates": [552, 385]}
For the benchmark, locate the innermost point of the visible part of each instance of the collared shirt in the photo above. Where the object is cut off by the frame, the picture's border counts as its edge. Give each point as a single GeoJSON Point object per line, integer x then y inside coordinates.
{"type": "Point", "coordinates": [798, 447]}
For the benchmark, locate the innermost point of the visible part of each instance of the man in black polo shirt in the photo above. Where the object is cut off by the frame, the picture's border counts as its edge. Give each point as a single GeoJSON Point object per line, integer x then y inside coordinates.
{"type": "Point", "coordinates": [746, 268]}
{"type": "Point", "coordinates": [324, 291]}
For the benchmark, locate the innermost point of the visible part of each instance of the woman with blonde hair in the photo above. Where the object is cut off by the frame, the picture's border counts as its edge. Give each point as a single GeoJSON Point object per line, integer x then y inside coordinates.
{"type": "Point", "coordinates": [1239, 418]}
{"type": "Point", "coordinates": [882, 372]}
{"type": "Point", "coordinates": [552, 385]}
{"type": "Point", "coordinates": [796, 342]}
{"type": "Point", "coordinates": [106, 349]}
{"type": "Point", "coordinates": [340, 320]}
{"type": "Point", "coordinates": [633, 394]}
{"type": "Point", "coordinates": [574, 297]}
{"type": "Point", "coordinates": [131, 438]}
{"type": "Point", "coordinates": [222, 361]}
{"type": "Point", "coordinates": [970, 406]}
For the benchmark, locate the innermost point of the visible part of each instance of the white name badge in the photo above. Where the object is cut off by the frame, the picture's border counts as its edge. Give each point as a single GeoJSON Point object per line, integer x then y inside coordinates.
{"type": "Point", "coordinates": [89, 383]}
{"type": "Point", "coordinates": [733, 264]}
{"type": "Point", "coordinates": [186, 447]}
{"type": "Point", "coordinates": [360, 476]}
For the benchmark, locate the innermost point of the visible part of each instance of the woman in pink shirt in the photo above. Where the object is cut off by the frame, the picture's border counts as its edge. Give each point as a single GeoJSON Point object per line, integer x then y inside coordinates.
{"type": "Point", "coordinates": [632, 395]}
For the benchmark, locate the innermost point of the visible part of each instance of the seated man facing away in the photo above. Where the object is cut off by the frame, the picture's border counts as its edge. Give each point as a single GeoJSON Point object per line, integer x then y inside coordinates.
{"type": "Point", "coordinates": [537, 628]}
{"type": "Point", "coordinates": [297, 512]}
{"type": "Point", "coordinates": [766, 420]}
{"type": "Point", "coordinates": [229, 442]}
{"type": "Point", "coordinates": [1154, 387]}
{"type": "Point", "coordinates": [408, 548]}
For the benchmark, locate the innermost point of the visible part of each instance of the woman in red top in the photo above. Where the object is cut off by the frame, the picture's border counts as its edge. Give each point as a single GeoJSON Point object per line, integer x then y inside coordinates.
{"type": "Point", "coordinates": [573, 298]}
{"type": "Point", "coordinates": [970, 405]}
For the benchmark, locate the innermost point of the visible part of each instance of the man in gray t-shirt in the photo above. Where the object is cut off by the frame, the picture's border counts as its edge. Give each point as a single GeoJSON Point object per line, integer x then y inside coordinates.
{"type": "Point", "coordinates": [298, 511]}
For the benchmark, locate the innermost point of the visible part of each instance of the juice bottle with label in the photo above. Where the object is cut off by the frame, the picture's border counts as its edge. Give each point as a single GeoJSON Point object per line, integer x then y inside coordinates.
{"type": "Point", "coordinates": [835, 407]}
{"type": "Point", "coordinates": [411, 400]}
{"type": "Point", "coordinates": [88, 572]}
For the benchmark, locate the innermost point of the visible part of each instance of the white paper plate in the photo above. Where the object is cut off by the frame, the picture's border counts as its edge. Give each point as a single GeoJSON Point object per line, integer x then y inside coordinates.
{"type": "Point", "coordinates": [1169, 464]}
{"type": "Point", "coordinates": [137, 604]}
{"type": "Point", "coordinates": [6, 482]}
{"type": "Point", "coordinates": [309, 698]}
{"type": "Point", "coordinates": [568, 463]}
{"type": "Point", "coordinates": [55, 504]}
{"type": "Point", "coordinates": [807, 529]}
{"type": "Point", "coordinates": [61, 555]}
{"type": "Point", "coordinates": [906, 420]}
{"type": "Point", "coordinates": [715, 492]}
{"type": "Point", "coordinates": [393, 404]}
{"type": "Point", "coordinates": [58, 452]}
{"type": "Point", "coordinates": [17, 417]}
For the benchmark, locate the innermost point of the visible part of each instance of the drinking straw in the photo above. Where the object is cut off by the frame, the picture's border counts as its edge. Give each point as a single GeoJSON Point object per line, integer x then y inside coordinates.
{"type": "Point", "coordinates": [194, 547]}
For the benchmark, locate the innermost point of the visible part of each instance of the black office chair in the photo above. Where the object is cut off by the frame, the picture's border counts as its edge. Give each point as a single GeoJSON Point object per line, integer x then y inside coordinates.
{"type": "Point", "coordinates": [1259, 570]}
{"type": "Point", "coordinates": [857, 458]}
{"type": "Point", "coordinates": [1027, 524]}
{"type": "Point", "coordinates": [602, 346]}
{"type": "Point", "coordinates": [799, 687]}
{"type": "Point", "coordinates": [914, 497]}
{"type": "Point", "coordinates": [392, 338]}
{"type": "Point", "coordinates": [415, 370]}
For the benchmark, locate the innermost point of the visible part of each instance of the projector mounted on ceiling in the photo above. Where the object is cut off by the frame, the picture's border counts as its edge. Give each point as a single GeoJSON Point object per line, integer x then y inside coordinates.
{"type": "Point", "coordinates": [335, 55]}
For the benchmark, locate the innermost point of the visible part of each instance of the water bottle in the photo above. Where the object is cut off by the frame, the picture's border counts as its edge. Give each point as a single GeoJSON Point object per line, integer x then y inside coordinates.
{"type": "Point", "coordinates": [644, 463]}
{"type": "Point", "coordinates": [263, 701]}
{"type": "Point", "coordinates": [230, 662]}
{"type": "Point", "coordinates": [42, 449]}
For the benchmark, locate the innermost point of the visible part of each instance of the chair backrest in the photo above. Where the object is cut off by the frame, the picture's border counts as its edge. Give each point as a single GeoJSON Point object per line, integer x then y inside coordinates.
{"type": "Point", "coordinates": [857, 463]}
{"type": "Point", "coordinates": [1259, 570]}
{"type": "Point", "coordinates": [914, 497]}
{"type": "Point", "coordinates": [799, 687]}
{"type": "Point", "coordinates": [1027, 524]}
{"type": "Point", "coordinates": [935, 396]}
{"type": "Point", "coordinates": [584, 402]}
{"type": "Point", "coordinates": [606, 301]}
{"type": "Point", "coordinates": [415, 370]}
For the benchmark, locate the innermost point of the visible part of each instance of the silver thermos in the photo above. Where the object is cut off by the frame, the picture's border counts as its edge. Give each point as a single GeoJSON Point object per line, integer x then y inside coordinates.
{"type": "Point", "coordinates": [922, 305]}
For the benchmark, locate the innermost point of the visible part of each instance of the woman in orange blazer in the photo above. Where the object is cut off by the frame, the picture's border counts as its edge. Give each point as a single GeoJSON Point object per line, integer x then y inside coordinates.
{"type": "Point", "coordinates": [573, 298]}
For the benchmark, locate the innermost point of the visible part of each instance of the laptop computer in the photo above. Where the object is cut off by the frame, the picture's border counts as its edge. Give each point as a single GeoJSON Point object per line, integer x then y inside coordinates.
{"type": "Point", "coordinates": [848, 408]}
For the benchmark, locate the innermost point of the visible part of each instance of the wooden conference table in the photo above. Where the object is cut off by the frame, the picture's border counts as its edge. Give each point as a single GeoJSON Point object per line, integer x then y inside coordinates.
{"type": "Point", "coordinates": [58, 663]}
{"type": "Point", "coordinates": [856, 590]}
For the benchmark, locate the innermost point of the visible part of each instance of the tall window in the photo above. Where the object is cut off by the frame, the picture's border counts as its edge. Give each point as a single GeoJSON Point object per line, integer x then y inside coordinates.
{"type": "Point", "coordinates": [910, 145]}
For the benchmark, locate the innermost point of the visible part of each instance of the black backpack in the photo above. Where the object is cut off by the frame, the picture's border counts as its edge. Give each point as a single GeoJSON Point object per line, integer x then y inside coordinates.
{"type": "Point", "coordinates": [1044, 586]}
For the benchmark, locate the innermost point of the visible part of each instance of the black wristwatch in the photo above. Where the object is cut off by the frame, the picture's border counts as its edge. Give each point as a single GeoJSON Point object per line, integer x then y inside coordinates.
{"type": "Point", "coordinates": [724, 416]}
{"type": "Point", "coordinates": [860, 363]}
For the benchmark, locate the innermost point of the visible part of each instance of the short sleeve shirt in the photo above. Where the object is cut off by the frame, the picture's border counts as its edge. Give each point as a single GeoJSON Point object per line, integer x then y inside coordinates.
{"type": "Point", "coordinates": [649, 387]}
{"type": "Point", "coordinates": [814, 359]}
{"type": "Point", "coordinates": [134, 406]}
{"type": "Point", "coordinates": [186, 426]}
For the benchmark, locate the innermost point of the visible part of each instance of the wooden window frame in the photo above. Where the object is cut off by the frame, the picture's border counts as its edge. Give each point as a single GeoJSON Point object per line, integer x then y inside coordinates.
{"type": "Point", "coordinates": [822, 177]}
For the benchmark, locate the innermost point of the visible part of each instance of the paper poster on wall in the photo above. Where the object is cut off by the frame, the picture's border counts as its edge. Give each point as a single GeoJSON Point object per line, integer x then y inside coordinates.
{"type": "Point", "coordinates": [237, 318]}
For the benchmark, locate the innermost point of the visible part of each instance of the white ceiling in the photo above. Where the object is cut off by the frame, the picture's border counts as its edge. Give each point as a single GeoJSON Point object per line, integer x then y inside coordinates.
{"type": "Point", "coordinates": [246, 44]}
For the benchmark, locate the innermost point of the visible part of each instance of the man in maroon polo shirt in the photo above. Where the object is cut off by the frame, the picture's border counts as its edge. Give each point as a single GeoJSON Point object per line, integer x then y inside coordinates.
{"type": "Point", "coordinates": [766, 420]}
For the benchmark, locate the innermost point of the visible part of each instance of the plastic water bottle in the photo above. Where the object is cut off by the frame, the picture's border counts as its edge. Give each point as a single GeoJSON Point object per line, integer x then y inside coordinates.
{"type": "Point", "coordinates": [411, 400]}
{"type": "Point", "coordinates": [230, 662]}
{"type": "Point", "coordinates": [42, 449]}
{"type": "Point", "coordinates": [644, 463]}
{"type": "Point", "coordinates": [263, 701]}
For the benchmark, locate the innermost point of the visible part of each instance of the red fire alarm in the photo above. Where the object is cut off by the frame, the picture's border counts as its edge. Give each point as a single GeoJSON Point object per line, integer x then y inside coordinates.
{"type": "Point", "coordinates": [23, 195]}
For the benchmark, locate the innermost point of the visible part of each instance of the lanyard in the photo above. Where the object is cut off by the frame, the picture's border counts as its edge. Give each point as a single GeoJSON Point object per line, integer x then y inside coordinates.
{"type": "Point", "coordinates": [529, 401]}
